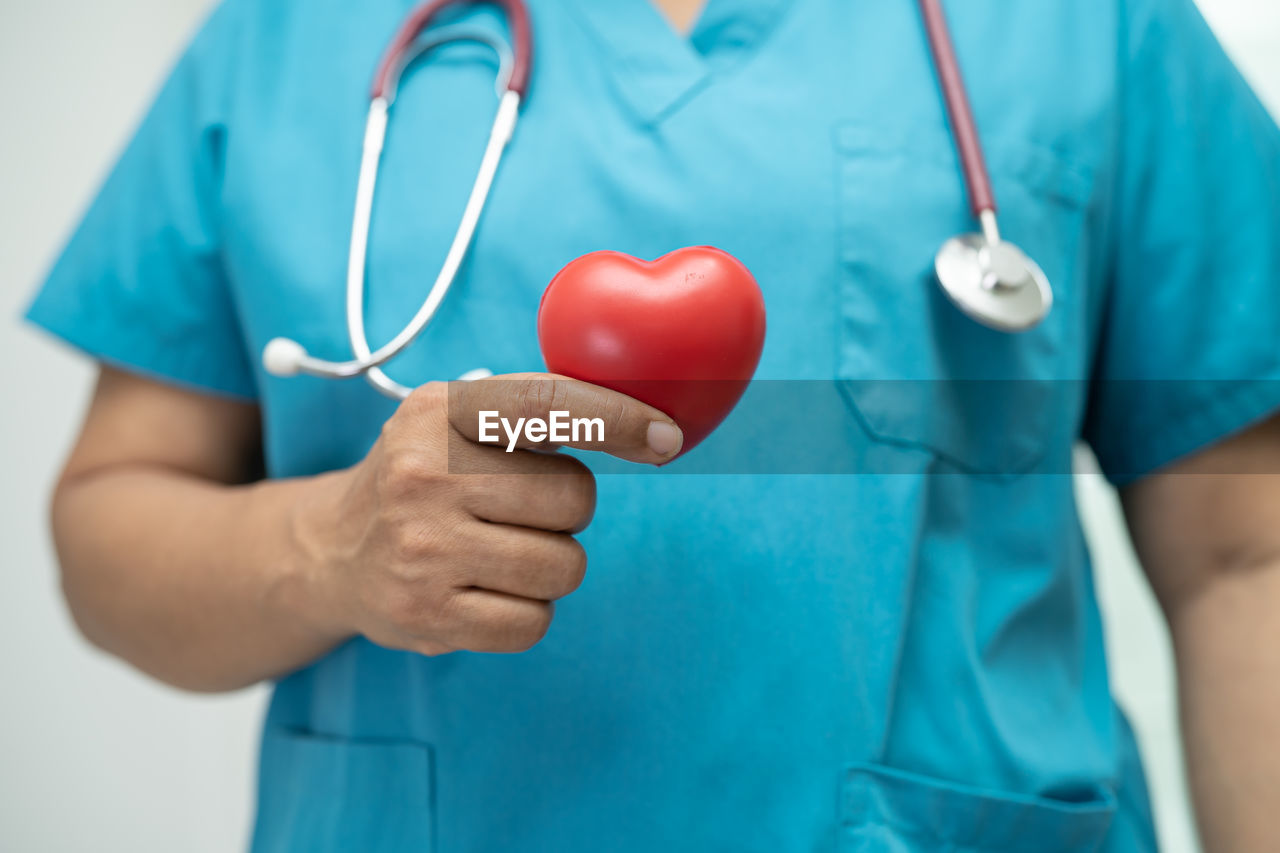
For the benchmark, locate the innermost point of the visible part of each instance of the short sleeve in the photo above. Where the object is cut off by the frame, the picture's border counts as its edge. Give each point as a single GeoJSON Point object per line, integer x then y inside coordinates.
{"type": "Point", "coordinates": [141, 283]}
{"type": "Point", "coordinates": [1189, 342]}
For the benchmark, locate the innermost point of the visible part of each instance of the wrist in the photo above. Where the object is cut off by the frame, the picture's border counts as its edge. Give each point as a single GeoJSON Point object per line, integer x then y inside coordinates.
{"type": "Point", "coordinates": [310, 586]}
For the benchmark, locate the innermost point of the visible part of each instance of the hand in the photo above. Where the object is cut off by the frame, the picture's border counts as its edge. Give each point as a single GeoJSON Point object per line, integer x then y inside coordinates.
{"type": "Point", "coordinates": [435, 542]}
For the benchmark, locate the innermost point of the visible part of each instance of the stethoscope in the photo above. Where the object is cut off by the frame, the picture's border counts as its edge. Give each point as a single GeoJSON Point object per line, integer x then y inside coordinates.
{"type": "Point", "coordinates": [987, 277]}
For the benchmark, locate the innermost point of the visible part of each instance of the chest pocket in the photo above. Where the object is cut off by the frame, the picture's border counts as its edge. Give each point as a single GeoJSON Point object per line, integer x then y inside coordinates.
{"type": "Point", "coordinates": [913, 369]}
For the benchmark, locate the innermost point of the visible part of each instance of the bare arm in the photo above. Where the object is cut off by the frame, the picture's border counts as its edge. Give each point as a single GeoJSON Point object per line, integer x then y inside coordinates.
{"type": "Point", "coordinates": [174, 559]}
{"type": "Point", "coordinates": [1207, 532]}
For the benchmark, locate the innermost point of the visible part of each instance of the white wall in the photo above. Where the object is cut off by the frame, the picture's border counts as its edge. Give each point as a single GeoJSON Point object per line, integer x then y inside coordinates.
{"type": "Point", "coordinates": [93, 756]}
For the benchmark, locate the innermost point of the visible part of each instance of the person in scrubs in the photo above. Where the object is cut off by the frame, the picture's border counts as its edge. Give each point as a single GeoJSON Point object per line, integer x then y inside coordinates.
{"type": "Point", "coordinates": [906, 658]}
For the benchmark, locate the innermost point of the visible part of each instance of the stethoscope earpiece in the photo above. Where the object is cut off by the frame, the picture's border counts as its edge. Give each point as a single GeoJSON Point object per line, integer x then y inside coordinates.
{"type": "Point", "coordinates": [283, 357]}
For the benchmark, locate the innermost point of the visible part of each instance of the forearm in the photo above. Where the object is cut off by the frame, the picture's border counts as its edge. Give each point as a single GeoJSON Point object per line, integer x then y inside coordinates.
{"type": "Point", "coordinates": [202, 585]}
{"type": "Point", "coordinates": [1226, 637]}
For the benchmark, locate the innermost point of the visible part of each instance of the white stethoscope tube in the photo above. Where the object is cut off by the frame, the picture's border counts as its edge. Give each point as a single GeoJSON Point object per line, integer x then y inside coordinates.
{"type": "Point", "coordinates": [988, 278]}
{"type": "Point", "coordinates": [287, 357]}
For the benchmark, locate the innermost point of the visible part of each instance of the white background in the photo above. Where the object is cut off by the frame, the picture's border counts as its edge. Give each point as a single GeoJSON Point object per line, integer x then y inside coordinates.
{"type": "Point", "coordinates": [94, 756]}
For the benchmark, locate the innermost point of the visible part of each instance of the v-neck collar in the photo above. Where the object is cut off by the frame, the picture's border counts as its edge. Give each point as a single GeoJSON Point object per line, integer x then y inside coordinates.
{"type": "Point", "coordinates": [656, 68]}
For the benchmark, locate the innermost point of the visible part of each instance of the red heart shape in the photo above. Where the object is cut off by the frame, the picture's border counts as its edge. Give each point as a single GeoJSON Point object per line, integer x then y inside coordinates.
{"type": "Point", "coordinates": [682, 333]}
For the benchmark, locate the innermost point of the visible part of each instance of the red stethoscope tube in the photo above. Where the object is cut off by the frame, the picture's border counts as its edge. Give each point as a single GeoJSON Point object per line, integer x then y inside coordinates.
{"type": "Point", "coordinates": [517, 15]}
{"type": "Point", "coordinates": [963, 126]}
{"type": "Point", "coordinates": [988, 278]}
{"type": "Point", "coordinates": [950, 79]}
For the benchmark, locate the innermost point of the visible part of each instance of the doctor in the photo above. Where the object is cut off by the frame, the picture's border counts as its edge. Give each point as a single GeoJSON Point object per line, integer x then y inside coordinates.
{"type": "Point", "coordinates": [909, 659]}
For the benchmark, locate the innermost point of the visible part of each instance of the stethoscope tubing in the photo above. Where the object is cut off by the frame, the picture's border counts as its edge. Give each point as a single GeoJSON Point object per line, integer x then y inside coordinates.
{"type": "Point", "coordinates": [288, 356]}
{"type": "Point", "coordinates": [499, 136]}
{"type": "Point", "coordinates": [369, 362]}
{"type": "Point", "coordinates": [521, 34]}
{"type": "Point", "coordinates": [957, 264]}
{"type": "Point", "coordinates": [955, 96]}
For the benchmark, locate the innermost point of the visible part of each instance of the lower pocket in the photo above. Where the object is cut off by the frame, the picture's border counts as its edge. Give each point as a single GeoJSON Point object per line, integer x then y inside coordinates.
{"type": "Point", "coordinates": [326, 794]}
{"type": "Point", "coordinates": [883, 810]}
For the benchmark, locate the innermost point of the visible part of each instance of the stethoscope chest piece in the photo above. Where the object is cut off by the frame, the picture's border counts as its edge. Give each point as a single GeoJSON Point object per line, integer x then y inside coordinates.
{"type": "Point", "coordinates": [989, 279]}
{"type": "Point", "coordinates": [994, 283]}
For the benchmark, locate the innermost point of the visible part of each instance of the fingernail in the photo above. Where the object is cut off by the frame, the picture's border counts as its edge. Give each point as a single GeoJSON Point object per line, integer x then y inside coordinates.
{"type": "Point", "coordinates": [664, 438]}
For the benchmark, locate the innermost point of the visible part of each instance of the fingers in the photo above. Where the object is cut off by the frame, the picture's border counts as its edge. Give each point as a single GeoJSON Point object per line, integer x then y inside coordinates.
{"type": "Point", "coordinates": [510, 584]}
{"type": "Point", "coordinates": [590, 417]}
{"type": "Point", "coordinates": [496, 622]}
{"type": "Point", "coordinates": [543, 490]}
{"type": "Point", "coordinates": [525, 563]}
{"type": "Point", "coordinates": [463, 545]}
{"type": "Point", "coordinates": [493, 594]}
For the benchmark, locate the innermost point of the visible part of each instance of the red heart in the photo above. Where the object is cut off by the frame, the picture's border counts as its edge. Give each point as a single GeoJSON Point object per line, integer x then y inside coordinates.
{"type": "Point", "coordinates": [682, 333]}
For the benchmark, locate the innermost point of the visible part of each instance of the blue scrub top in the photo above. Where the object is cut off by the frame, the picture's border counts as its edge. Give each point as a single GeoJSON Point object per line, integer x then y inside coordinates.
{"type": "Point", "coordinates": [906, 659]}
